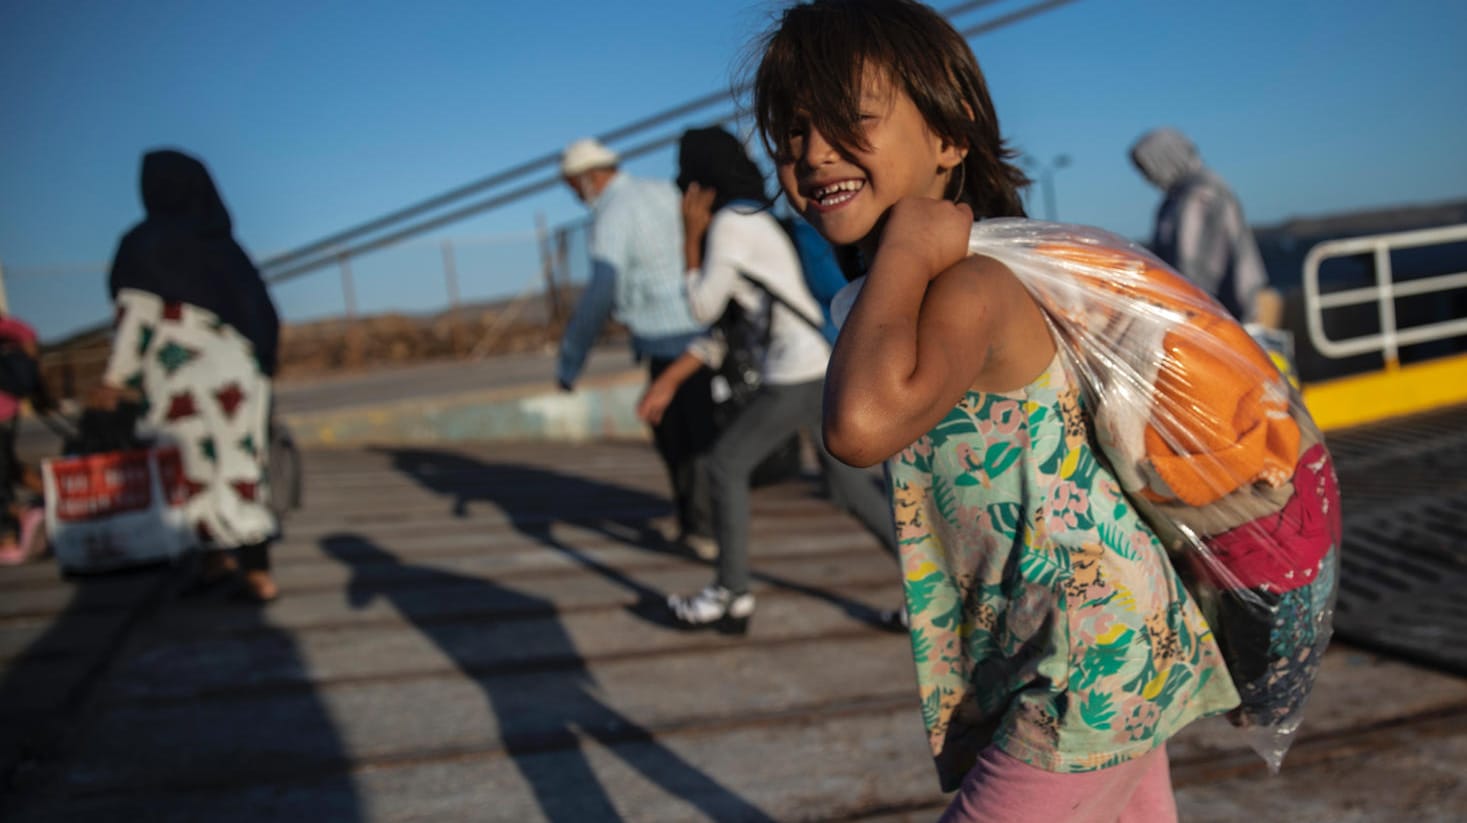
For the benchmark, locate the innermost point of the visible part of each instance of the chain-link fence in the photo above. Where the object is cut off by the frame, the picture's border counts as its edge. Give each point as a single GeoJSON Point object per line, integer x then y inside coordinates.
{"type": "Point", "coordinates": [456, 296]}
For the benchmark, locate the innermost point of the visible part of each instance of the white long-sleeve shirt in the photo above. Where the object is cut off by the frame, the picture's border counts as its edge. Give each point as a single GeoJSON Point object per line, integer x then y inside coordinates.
{"type": "Point", "coordinates": [755, 244]}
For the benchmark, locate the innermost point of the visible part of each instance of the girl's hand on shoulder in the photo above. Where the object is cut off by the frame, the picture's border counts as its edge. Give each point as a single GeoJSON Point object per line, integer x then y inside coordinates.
{"type": "Point", "coordinates": [930, 233]}
{"type": "Point", "coordinates": [697, 211]}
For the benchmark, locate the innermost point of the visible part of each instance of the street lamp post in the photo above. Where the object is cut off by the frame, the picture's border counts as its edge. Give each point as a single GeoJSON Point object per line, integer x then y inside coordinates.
{"type": "Point", "coordinates": [1045, 172]}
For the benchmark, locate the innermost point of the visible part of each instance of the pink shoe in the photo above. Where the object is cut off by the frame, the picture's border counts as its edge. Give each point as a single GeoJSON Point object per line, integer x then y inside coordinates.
{"type": "Point", "coordinates": [11, 554]}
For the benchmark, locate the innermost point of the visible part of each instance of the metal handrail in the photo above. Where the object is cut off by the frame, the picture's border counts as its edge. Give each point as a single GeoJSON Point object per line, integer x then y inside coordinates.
{"type": "Point", "coordinates": [1384, 293]}
{"type": "Point", "coordinates": [327, 255]}
{"type": "Point", "coordinates": [328, 248]}
{"type": "Point", "coordinates": [339, 248]}
{"type": "Point", "coordinates": [449, 207]}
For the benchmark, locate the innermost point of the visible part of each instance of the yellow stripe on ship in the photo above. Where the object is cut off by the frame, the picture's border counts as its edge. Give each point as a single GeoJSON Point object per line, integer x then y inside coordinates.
{"type": "Point", "coordinates": [1394, 392]}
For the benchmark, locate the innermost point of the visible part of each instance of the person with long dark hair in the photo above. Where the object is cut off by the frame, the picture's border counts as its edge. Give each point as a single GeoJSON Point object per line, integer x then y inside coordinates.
{"type": "Point", "coordinates": [195, 346]}
{"type": "Point", "coordinates": [737, 252]}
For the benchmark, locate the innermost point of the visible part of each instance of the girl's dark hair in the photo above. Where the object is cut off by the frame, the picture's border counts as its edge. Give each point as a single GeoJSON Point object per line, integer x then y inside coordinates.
{"type": "Point", "coordinates": [813, 63]}
{"type": "Point", "coordinates": [714, 158]}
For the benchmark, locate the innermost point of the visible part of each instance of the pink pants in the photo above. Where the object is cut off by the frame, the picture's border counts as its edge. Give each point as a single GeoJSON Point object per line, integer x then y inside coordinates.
{"type": "Point", "coordinates": [1002, 789]}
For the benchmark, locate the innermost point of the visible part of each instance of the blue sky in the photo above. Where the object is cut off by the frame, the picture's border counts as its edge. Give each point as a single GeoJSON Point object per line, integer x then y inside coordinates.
{"type": "Point", "coordinates": [317, 116]}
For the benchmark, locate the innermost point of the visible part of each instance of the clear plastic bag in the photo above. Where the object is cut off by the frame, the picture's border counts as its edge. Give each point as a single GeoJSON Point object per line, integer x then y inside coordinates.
{"type": "Point", "coordinates": [1210, 442]}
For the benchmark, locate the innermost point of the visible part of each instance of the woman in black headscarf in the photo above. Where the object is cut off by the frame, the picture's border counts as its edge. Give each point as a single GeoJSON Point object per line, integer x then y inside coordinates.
{"type": "Point", "coordinates": [195, 344]}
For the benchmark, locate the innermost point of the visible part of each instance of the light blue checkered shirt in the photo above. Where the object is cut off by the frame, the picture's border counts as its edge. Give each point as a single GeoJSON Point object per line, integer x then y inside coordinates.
{"type": "Point", "coordinates": [636, 274]}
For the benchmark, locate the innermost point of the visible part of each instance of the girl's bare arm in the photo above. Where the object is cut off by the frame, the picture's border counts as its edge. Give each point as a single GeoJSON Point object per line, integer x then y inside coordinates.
{"type": "Point", "coordinates": [906, 355]}
{"type": "Point", "coordinates": [915, 342]}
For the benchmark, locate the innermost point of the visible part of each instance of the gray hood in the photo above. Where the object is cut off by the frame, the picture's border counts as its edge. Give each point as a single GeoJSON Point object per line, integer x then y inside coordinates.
{"type": "Point", "coordinates": [1166, 157]}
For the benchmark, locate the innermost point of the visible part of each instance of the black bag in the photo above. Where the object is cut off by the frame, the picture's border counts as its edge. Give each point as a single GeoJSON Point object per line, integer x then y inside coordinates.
{"type": "Point", "coordinates": [746, 337]}
{"type": "Point", "coordinates": [98, 431]}
{"type": "Point", "coordinates": [747, 340]}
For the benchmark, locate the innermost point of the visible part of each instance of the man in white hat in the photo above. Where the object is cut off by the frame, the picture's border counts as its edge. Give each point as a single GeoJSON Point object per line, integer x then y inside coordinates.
{"type": "Point", "coordinates": [636, 251]}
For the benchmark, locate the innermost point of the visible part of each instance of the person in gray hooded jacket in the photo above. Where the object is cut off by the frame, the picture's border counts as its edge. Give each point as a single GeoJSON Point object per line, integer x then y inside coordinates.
{"type": "Point", "coordinates": [1200, 229]}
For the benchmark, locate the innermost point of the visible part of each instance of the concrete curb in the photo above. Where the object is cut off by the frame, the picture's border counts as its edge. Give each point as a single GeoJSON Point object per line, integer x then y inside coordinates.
{"type": "Point", "coordinates": [600, 408]}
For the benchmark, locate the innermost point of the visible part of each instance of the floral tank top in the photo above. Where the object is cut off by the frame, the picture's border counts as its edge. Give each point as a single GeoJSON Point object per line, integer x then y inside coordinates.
{"type": "Point", "coordinates": [1045, 617]}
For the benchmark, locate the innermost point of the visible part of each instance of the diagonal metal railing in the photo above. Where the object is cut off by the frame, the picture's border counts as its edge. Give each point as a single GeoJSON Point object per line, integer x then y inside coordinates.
{"type": "Point", "coordinates": [522, 180]}
{"type": "Point", "coordinates": [495, 191]}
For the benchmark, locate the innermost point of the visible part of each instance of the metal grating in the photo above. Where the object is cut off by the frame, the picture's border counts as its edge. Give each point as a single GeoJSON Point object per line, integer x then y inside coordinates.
{"type": "Point", "coordinates": [1403, 571]}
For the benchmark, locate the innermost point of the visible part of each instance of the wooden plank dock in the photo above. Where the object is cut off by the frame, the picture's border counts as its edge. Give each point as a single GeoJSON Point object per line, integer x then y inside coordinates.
{"type": "Point", "coordinates": [465, 635]}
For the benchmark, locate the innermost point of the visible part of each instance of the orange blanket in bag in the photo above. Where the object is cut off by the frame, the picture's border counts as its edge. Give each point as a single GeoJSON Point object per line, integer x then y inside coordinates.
{"type": "Point", "coordinates": [1219, 410]}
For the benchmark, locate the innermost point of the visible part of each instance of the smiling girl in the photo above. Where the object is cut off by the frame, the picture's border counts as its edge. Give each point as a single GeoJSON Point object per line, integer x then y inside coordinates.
{"type": "Point", "coordinates": [1056, 649]}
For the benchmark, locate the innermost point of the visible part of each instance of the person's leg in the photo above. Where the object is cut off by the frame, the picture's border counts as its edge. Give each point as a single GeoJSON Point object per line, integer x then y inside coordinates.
{"type": "Point", "coordinates": [215, 566]}
{"type": "Point", "coordinates": [10, 471]}
{"type": "Point", "coordinates": [693, 406]}
{"type": "Point", "coordinates": [682, 439]}
{"type": "Point", "coordinates": [254, 562]}
{"type": "Point", "coordinates": [772, 416]}
{"type": "Point", "coordinates": [854, 490]}
{"type": "Point", "coordinates": [255, 558]}
{"type": "Point", "coordinates": [1003, 789]}
{"type": "Point", "coordinates": [228, 455]}
{"type": "Point", "coordinates": [1153, 801]}
{"type": "Point", "coordinates": [859, 494]}
{"type": "Point", "coordinates": [666, 439]}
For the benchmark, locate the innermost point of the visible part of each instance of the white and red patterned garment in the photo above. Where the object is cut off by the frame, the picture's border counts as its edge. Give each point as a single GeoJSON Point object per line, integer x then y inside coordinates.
{"type": "Point", "coordinates": [203, 390]}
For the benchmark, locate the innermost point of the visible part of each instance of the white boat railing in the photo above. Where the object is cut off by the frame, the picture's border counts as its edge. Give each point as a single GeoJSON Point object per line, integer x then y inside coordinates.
{"type": "Point", "coordinates": [1384, 293]}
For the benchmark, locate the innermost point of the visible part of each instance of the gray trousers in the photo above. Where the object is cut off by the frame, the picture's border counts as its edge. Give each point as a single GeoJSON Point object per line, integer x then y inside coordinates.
{"type": "Point", "coordinates": [774, 414]}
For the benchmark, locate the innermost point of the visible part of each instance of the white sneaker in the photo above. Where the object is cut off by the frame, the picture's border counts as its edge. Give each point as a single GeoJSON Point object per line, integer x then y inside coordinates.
{"type": "Point", "coordinates": [714, 607]}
